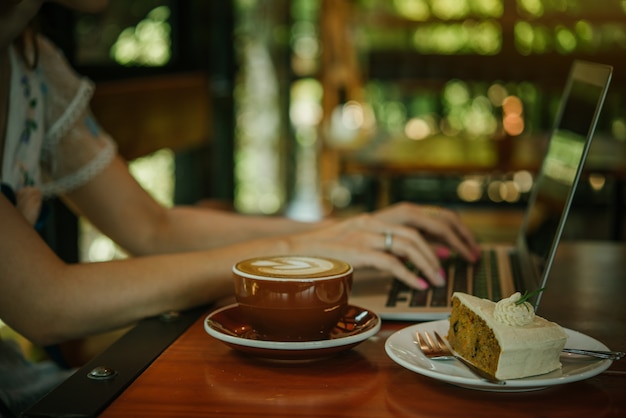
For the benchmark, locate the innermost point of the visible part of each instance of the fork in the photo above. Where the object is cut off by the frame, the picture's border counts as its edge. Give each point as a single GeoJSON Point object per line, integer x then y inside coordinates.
{"type": "Point", "coordinates": [439, 350]}
{"type": "Point", "coordinates": [609, 355]}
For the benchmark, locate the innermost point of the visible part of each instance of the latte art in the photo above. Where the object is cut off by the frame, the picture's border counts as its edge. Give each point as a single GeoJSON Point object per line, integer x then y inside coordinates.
{"type": "Point", "coordinates": [302, 266]}
{"type": "Point", "coordinates": [292, 266]}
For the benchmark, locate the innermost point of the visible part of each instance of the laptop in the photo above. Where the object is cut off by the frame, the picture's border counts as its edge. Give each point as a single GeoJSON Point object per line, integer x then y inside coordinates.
{"type": "Point", "coordinates": [524, 265]}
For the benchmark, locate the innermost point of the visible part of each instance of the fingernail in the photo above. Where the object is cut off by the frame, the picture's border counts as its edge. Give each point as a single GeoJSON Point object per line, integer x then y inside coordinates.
{"type": "Point", "coordinates": [422, 284]}
{"type": "Point", "coordinates": [440, 278]}
{"type": "Point", "coordinates": [477, 254]}
{"type": "Point", "coordinates": [443, 253]}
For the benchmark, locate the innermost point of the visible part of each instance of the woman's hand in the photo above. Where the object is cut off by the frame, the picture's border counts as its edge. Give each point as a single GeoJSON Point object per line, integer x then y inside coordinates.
{"type": "Point", "coordinates": [438, 224]}
{"type": "Point", "coordinates": [389, 238]}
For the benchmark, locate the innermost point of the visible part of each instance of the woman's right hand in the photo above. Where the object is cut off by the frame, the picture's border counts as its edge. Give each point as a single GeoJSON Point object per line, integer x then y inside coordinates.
{"type": "Point", "coordinates": [388, 239]}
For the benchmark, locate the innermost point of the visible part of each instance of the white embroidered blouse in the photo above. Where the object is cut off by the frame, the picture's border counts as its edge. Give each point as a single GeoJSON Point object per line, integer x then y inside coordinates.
{"type": "Point", "coordinates": [52, 141]}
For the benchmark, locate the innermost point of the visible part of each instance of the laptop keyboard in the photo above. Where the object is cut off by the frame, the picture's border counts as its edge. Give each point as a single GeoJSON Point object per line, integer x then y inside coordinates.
{"type": "Point", "coordinates": [480, 279]}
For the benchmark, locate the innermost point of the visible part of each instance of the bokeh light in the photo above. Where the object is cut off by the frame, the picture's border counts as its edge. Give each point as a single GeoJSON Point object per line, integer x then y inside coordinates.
{"type": "Point", "coordinates": [148, 43]}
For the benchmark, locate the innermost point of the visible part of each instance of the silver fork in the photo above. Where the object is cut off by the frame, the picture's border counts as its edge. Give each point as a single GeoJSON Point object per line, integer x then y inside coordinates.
{"type": "Point", "coordinates": [609, 355]}
{"type": "Point", "coordinates": [439, 350]}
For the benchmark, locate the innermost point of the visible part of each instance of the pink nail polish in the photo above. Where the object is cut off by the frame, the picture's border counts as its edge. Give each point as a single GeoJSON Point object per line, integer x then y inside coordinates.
{"type": "Point", "coordinates": [442, 252]}
{"type": "Point", "coordinates": [477, 255]}
{"type": "Point", "coordinates": [422, 284]}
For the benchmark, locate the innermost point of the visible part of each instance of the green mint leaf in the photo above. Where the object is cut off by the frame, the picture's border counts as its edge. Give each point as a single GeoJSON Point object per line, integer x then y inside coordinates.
{"type": "Point", "coordinates": [527, 295]}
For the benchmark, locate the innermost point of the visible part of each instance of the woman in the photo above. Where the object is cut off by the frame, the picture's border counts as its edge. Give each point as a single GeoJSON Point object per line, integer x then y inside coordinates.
{"type": "Point", "coordinates": [182, 256]}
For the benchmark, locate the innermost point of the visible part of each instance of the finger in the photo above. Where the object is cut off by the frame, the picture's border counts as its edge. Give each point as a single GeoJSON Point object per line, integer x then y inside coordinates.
{"type": "Point", "coordinates": [447, 227]}
{"type": "Point", "coordinates": [441, 223]}
{"type": "Point", "coordinates": [401, 242]}
{"type": "Point", "coordinates": [406, 243]}
{"type": "Point", "coordinates": [411, 279]}
{"type": "Point", "coordinates": [423, 262]}
{"type": "Point", "coordinates": [388, 262]}
{"type": "Point", "coordinates": [447, 235]}
{"type": "Point", "coordinates": [462, 230]}
{"type": "Point", "coordinates": [409, 240]}
{"type": "Point", "coordinates": [443, 253]}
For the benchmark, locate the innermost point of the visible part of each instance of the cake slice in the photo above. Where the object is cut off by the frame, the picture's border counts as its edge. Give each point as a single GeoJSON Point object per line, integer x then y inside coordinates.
{"type": "Point", "coordinates": [506, 339]}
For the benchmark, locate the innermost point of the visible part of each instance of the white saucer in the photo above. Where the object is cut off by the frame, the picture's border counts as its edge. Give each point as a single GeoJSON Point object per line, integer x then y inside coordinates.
{"type": "Point", "coordinates": [402, 349]}
{"type": "Point", "coordinates": [228, 325]}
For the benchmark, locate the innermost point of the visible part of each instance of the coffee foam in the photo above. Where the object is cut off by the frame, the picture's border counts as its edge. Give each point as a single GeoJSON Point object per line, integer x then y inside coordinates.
{"type": "Point", "coordinates": [291, 267]}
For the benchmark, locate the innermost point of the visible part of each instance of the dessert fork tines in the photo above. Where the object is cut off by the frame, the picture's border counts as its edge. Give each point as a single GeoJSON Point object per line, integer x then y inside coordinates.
{"type": "Point", "coordinates": [437, 349]}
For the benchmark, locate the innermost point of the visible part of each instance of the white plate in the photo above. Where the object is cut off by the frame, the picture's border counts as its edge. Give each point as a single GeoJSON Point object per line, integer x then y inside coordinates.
{"type": "Point", "coordinates": [229, 326]}
{"type": "Point", "coordinates": [402, 349]}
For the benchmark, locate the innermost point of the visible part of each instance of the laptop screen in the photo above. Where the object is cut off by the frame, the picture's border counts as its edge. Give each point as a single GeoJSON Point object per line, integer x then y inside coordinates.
{"type": "Point", "coordinates": [562, 165]}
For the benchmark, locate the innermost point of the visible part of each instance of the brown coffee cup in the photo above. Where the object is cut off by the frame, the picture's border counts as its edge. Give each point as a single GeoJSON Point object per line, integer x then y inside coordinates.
{"type": "Point", "coordinates": [292, 298]}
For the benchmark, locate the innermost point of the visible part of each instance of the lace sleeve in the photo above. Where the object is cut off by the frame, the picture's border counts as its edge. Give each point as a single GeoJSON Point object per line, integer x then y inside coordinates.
{"type": "Point", "coordinates": [75, 149]}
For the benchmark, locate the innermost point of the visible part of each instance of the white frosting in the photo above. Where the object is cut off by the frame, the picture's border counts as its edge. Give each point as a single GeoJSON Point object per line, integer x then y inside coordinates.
{"type": "Point", "coordinates": [527, 350]}
{"type": "Point", "coordinates": [509, 312]}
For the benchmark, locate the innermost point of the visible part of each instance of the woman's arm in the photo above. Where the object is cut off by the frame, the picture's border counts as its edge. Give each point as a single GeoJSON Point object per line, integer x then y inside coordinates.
{"type": "Point", "coordinates": [48, 300]}
{"type": "Point", "coordinates": [116, 204]}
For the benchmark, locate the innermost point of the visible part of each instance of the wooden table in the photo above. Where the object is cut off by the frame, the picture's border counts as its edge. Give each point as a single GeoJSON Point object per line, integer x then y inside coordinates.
{"type": "Point", "coordinates": [199, 376]}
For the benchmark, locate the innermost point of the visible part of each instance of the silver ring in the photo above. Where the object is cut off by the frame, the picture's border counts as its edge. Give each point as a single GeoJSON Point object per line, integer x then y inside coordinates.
{"type": "Point", "coordinates": [388, 240]}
